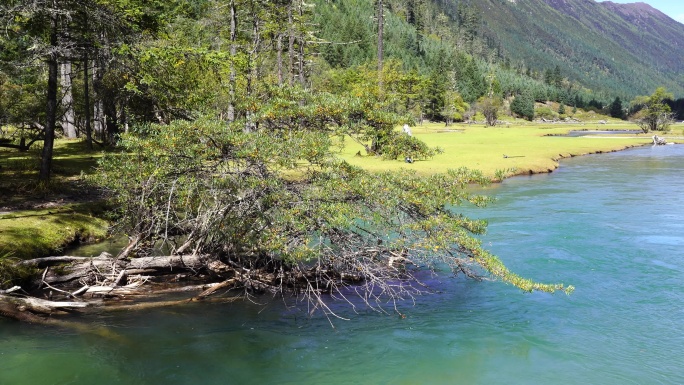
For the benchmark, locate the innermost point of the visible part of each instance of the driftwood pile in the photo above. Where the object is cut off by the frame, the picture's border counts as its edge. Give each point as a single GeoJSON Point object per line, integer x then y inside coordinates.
{"type": "Point", "coordinates": [71, 284]}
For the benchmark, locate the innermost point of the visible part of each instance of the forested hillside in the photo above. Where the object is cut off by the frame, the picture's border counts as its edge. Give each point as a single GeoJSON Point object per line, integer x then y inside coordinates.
{"type": "Point", "coordinates": [581, 48]}
{"type": "Point", "coordinates": [623, 49]}
{"type": "Point", "coordinates": [570, 51]}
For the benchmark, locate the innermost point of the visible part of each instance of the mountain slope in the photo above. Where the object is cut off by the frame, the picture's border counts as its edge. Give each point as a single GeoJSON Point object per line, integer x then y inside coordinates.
{"type": "Point", "coordinates": [620, 48]}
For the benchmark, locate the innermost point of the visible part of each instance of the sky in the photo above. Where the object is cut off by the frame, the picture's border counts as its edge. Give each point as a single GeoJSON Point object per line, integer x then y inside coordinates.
{"type": "Point", "coordinates": [672, 8]}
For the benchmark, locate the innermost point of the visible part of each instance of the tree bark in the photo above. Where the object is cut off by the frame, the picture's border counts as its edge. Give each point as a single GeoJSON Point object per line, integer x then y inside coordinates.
{"type": "Point", "coordinates": [302, 43]}
{"type": "Point", "coordinates": [109, 277]}
{"type": "Point", "coordinates": [86, 101]}
{"type": "Point", "coordinates": [51, 108]}
{"type": "Point", "coordinates": [68, 119]}
{"type": "Point", "coordinates": [98, 103]}
{"type": "Point", "coordinates": [233, 52]}
{"type": "Point", "coordinates": [111, 121]}
{"type": "Point", "coordinates": [279, 47]}
{"type": "Point", "coordinates": [381, 46]}
{"type": "Point", "coordinates": [290, 44]}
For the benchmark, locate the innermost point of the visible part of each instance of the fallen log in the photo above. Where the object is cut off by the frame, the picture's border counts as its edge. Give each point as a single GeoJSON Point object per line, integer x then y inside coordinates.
{"type": "Point", "coordinates": [52, 261]}
{"type": "Point", "coordinates": [128, 284]}
{"type": "Point", "coordinates": [105, 268]}
{"type": "Point", "coordinates": [213, 289]}
{"type": "Point", "coordinates": [28, 309]}
{"type": "Point", "coordinates": [169, 262]}
{"type": "Point", "coordinates": [9, 310]}
{"type": "Point", "coordinates": [92, 281]}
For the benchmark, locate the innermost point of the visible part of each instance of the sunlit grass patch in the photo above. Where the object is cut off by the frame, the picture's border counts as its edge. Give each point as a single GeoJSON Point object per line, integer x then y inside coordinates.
{"type": "Point", "coordinates": [34, 233]}
{"type": "Point", "coordinates": [529, 147]}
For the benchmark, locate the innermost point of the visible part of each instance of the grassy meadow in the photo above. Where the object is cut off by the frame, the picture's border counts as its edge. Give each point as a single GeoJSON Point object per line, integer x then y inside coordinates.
{"type": "Point", "coordinates": [531, 147]}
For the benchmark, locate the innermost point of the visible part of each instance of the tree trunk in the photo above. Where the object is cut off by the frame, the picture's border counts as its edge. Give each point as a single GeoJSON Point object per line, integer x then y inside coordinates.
{"type": "Point", "coordinates": [254, 52]}
{"type": "Point", "coordinates": [111, 121]}
{"type": "Point", "coordinates": [86, 101]}
{"type": "Point", "coordinates": [233, 52]}
{"type": "Point", "coordinates": [123, 120]}
{"type": "Point", "coordinates": [279, 47]}
{"type": "Point", "coordinates": [68, 119]}
{"type": "Point", "coordinates": [98, 103]}
{"type": "Point", "coordinates": [51, 108]}
{"type": "Point", "coordinates": [290, 44]}
{"type": "Point", "coordinates": [381, 46]}
{"type": "Point", "coordinates": [302, 44]}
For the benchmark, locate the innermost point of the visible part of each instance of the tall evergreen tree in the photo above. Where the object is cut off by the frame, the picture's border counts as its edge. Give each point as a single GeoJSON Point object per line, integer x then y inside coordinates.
{"type": "Point", "coordinates": [523, 106]}
{"type": "Point", "coordinates": [616, 110]}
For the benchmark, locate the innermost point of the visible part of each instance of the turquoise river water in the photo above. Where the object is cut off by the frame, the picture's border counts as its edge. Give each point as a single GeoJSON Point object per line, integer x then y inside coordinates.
{"type": "Point", "coordinates": [611, 224]}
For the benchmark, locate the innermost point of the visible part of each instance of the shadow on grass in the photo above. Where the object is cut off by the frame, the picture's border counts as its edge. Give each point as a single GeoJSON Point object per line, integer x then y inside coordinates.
{"type": "Point", "coordinates": [70, 157]}
{"type": "Point", "coordinates": [19, 185]}
{"type": "Point", "coordinates": [73, 157]}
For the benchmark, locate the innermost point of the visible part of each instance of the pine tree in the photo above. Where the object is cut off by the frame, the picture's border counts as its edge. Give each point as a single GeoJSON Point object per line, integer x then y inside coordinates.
{"type": "Point", "coordinates": [616, 110]}
{"type": "Point", "coordinates": [523, 106]}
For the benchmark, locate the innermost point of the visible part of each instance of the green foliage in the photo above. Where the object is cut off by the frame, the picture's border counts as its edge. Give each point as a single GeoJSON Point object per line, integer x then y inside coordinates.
{"type": "Point", "coordinates": [561, 109]}
{"type": "Point", "coordinates": [616, 110]}
{"type": "Point", "coordinates": [454, 107]}
{"type": "Point", "coordinates": [523, 106]}
{"type": "Point", "coordinates": [471, 81]}
{"type": "Point", "coordinates": [366, 114]}
{"type": "Point", "coordinates": [545, 112]}
{"type": "Point", "coordinates": [553, 77]}
{"type": "Point", "coordinates": [400, 146]}
{"type": "Point", "coordinates": [219, 190]}
{"type": "Point", "coordinates": [489, 107]}
{"type": "Point", "coordinates": [654, 113]}
{"type": "Point", "coordinates": [21, 100]}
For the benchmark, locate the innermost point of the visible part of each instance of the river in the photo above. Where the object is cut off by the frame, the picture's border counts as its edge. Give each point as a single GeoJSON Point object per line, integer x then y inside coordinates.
{"type": "Point", "coordinates": [612, 225]}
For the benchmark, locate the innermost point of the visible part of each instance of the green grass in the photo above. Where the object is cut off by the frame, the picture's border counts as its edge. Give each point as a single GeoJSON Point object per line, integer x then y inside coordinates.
{"type": "Point", "coordinates": [34, 233]}
{"type": "Point", "coordinates": [31, 233]}
{"type": "Point", "coordinates": [19, 171]}
{"type": "Point", "coordinates": [529, 146]}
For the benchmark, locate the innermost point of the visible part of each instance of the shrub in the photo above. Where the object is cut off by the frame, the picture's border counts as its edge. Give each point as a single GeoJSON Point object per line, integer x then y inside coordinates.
{"type": "Point", "coordinates": [546, 113]}
{"type": "Point", "coordinates": [399, 146]}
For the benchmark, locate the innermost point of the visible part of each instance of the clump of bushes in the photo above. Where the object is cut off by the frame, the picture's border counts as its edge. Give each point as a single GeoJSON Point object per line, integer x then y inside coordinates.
{"type": "Point", "coordinates": [546, 112]}
{"type": "Point", "coordinates": [399, 146]}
